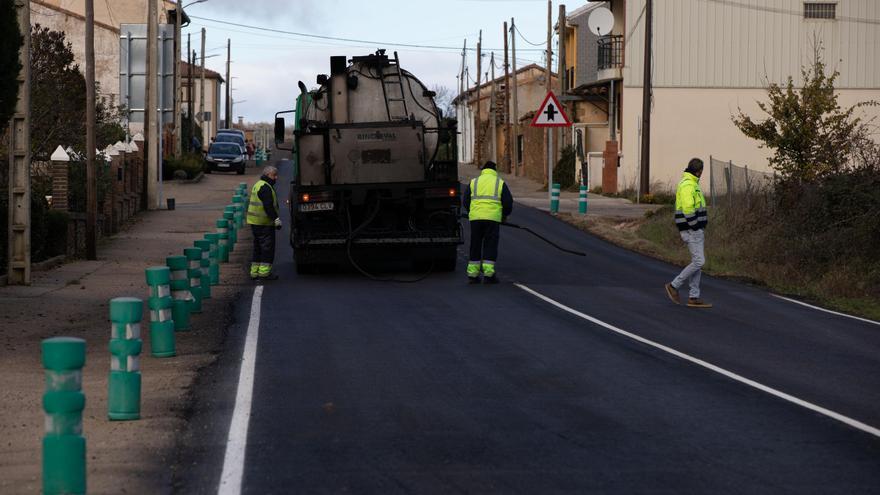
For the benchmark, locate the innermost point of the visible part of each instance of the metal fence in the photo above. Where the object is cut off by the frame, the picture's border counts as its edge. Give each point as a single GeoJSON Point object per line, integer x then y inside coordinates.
{"type": "Point", "coordinates": [731, 184]}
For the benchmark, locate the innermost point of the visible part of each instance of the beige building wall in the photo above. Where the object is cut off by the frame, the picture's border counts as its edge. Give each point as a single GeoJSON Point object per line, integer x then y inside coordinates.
{"type": "Point", "coordinates": [113, 12]}
{"type": "Point", "coordinates": [696, 122]}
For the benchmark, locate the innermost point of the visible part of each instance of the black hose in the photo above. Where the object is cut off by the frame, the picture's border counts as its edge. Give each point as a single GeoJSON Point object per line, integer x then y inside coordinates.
{"type": "Point", "coordinates": [539, 236]}
{"type": "Point", "coordinates": [353, 233]}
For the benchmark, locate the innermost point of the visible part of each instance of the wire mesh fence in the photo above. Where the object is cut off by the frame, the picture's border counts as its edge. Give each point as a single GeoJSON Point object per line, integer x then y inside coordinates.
{"type": "Point", "coordinates": [730, 184]}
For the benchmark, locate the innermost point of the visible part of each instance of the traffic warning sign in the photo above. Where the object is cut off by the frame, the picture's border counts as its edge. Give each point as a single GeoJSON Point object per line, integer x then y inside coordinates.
{"type": "Point", "coordinates": [550, 114]}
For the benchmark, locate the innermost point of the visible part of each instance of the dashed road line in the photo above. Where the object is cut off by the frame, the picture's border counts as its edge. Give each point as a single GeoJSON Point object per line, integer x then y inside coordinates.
{"type": "Point", "coordinates": [717, 369]}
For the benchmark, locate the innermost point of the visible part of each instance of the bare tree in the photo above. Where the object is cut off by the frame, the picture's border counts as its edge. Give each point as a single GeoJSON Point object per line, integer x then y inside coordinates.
{"type": "Point", "coordinates": [443, 99]}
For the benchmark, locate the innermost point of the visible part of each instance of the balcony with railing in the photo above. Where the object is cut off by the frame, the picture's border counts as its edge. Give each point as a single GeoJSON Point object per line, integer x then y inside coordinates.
{"type": "Point", "coordinates": [610, 57]}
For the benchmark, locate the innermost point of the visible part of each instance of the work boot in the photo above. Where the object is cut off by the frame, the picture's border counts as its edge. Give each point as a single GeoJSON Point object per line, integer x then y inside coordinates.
{"type": "Point", "coordinates": [672, 292]}
{"type": "Point", "coordinates": [490, 280]}
{"type": "Point", "coordinates": [696, 302]}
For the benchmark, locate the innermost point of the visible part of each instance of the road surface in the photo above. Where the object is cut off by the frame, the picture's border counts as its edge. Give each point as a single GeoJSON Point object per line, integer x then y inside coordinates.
{"type": "Point", "coordinates": [573, 375]}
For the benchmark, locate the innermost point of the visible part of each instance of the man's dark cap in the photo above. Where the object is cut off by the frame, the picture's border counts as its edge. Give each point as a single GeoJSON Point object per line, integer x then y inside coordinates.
{"type": "Point", "coordinates": [490, 164]}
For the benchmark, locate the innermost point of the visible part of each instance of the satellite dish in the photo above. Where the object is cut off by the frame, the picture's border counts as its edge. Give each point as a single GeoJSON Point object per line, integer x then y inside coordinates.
{"type": "Point", "coordinates": [601, 21]}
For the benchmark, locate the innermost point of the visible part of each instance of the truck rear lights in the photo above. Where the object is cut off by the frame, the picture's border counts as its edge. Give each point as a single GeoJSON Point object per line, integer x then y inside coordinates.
{"type": "Point", "coordinates": [441, 192]}
{"type": "Point", "coordinates": [315, 196]}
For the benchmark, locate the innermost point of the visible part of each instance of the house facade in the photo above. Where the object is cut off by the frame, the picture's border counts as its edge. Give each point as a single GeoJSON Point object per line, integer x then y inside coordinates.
{"type": "Point", "coordinates": [213, 81]}
{"type": "Point", "coordinates": [528, 142]}
{"type": "Point", "coordinates": [711, 59]}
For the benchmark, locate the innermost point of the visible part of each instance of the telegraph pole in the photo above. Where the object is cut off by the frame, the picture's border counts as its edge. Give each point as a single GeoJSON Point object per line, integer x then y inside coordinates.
{"type": "Point", "coordinates": [508, 148]}
{"type": "Point", "coordinates": [19, 219]}
{"type": "Point", "coordinates": [178, 135]}
{"type": "Point", "coordinates": [91, 180]}
{"type": "Point", "coordinates": [478, 155]}
{"type": "Point", "coordinates": [645, 172]}
{"type": "Point", "coordinates": [151, 119]}
{"type": "Point", "coordinates": [515, 101]}
{"type": "Point", "coordinates": [548, 132]}
{"type": "Point", "coordinates": [493, 111]}
{"type": "Point", "coordinates": [563, 79]}
{"type": "Point", "coordinates": [202, 92]}
{"type": "Point", "coordinates": [228, 84]}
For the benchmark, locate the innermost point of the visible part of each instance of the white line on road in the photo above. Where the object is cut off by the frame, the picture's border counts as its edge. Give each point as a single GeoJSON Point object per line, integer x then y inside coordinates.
{"type": "Point", "coordinates": [817, 308]}
{"type": "Point", "coordinates": [236, 442]}
{"type": "Point", "coordinates": [764, 388]}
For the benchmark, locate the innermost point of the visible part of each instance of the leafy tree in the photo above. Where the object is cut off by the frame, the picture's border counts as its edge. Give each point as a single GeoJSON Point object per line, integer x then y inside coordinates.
{"type": "Point", "coordinates": [810, 133]}
{"type": "Point", "coordinates": [10, 44]}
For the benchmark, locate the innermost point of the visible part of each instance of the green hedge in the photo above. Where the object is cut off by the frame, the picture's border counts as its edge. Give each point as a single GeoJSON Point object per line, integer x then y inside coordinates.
{"type": "Point", "coordinates": [191, 164]}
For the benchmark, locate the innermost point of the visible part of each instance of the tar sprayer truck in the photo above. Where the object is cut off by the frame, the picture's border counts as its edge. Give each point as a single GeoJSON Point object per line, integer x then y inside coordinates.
{"type": "Point", "coordinates": [375, 169]}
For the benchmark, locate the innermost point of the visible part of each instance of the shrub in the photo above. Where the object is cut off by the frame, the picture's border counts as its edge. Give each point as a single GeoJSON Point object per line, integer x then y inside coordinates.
{"type": "Point", "coordinates": [563, 172]}
{"type": "Point", "coordinates": [189, 164]}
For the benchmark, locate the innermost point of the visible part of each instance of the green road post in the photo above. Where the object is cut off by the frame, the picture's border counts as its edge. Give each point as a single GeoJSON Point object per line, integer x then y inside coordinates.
{"type": "Point", "coordinates": [124, 397]}
{"type": "Point", "coordinates": [64, 447]}
{"type": "Point", "coordinates": [214, 256]}
{"type": "Point", "coordinates": [582, 200]}
{"type": "Point", "coordinates": [162, 342]}
{"type": "Point", "coordinates": [179, 292]}
{"type": "Point", "coordinates": [238, 202]}
{"type": "Point", "coordinates": [223, 239]}
{"type": "Point", "coordinates": [229, 215]}
{"type": "Point", "coordinates": [194, 273]}
{"type": "Point", "coordinates": [205, 266]}
{"type": "Point", "coordinates": [554, 199]}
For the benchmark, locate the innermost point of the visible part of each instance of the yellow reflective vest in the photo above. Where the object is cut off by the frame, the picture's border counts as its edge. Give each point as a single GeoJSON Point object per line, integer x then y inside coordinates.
{"type": "Point", "coordinates": [486, 196]}
{"type": "Point", "coordinates": [256, 214]}
{"type": "Point", "coordinates": [690, 204]}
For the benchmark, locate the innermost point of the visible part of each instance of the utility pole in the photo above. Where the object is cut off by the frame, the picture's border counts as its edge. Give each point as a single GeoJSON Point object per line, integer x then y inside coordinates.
{"type": "Point", "coordinates": [462, 101]}
{"type": "Point", "coordinates": [478, 155]}
{"type": "Point", "coordinates": [18, 224]}
{"type": "Point", "coordinates": [203, 138]}
{"type": "Point", "coordinates": [190, 61]}
{"type": "Point", "coordinates": [645, 172]}
{"type": "Point", "coordinates": [563, 79]}
{"type": "Point", "coordinates": [151, 119]}
{"type": "Point", "coordinates": [508, 148]}
{"type": "Point", "coordinates": [228, 84]}
{"type": "Point", "coordinates": [515, 101]}
{"type": "Point", "coordinates": [91, 180]}
{"type": "Point", "coordinates": [493, 112]}
{"type": "Point", "coordinates": [178, 135]}
{"type": "Point", "coordinates": [548, 132]}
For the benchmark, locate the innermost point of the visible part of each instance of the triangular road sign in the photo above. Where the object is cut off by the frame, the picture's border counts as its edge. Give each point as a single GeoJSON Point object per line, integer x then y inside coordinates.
{"type": "Point", "coordinates": [550, 114]}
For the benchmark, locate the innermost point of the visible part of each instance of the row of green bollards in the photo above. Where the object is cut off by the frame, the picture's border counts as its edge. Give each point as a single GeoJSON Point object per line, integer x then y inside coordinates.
{"type": "Point", "coordinates": [176, 290]}
{"type": "Point", "coordinates": [554, 198]}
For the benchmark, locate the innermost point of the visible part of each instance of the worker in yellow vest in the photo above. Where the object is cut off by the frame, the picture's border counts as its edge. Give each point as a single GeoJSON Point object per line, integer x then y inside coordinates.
{"type": "Point", "coordinates": [691, 218]}
{"type": "Point", "coordinates": [488, 202]}
{"type": "Point", "coordinates": [262, 216]}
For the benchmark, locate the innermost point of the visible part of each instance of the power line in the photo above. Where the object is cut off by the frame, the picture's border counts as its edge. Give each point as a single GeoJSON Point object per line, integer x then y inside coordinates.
{"type": "Point", "coordinates": [334, 38]}
{"type": "Point", "coordinates": [526, 40]}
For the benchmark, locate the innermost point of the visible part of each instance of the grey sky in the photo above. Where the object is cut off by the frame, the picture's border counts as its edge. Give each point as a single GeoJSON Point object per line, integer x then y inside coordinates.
{"type": "Point", "coordinates": [267, 65]}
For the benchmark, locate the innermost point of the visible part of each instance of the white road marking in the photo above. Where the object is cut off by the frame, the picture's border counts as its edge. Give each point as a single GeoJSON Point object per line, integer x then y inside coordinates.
{"type": "Point", "coordinates": [825, 310]}
{"type": "Point", "coordinates": [764, 388]}
{"type": "Point", "coordinates": [236, 442]}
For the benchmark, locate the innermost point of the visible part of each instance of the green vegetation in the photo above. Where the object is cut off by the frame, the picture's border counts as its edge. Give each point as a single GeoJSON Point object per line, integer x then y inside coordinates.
{"type": "Point", "coordinates": [187, 166]}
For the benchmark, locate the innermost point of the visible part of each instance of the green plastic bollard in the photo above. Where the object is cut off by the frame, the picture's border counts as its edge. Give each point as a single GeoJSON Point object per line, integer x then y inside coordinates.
{"type": "Point", "coordinates": [205, 266]}
{"type": "Point", "coordinates": [179, 292]}
{"type": "Point", "coordinates": [229, 215]}
{"type": "Point", "coordinates": [124, 397]}
{"type": "Point", "coordinates": [238, 202]}
{"type": "Point", "coordinates": [214, 256]}
{"type": "Point", "coordinates": [162, 342]}
{"type": "Point", "coordinates": [223, 231]}
{"type": "Point", "coordinates": [64, 447]}
{"type": "Point", "coordinates": [582, 201]}
{"type": "Point", "coordinates": [554, 199]}
{"type": "Point", "coordinates": [194, 272]}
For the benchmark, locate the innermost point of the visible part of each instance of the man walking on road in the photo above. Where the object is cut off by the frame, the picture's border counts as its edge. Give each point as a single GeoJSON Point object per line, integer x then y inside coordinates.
{"type": "Point", "coordinates": [262, 216]}
{"type": "Point", "coordinates": [691, 219]}
{"type": "Point", "coordinates": [488, 202]}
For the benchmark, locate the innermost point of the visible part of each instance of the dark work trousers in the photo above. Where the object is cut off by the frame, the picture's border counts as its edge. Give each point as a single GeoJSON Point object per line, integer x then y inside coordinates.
{"type": "Point", "coordinates": [484, 240]}
{"type": "Point", "coordinates": [264, 243]}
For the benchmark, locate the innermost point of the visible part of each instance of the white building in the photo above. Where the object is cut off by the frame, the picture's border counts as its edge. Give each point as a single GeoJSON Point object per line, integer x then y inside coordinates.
{"type": "Point", "coordinates": [713, 57]}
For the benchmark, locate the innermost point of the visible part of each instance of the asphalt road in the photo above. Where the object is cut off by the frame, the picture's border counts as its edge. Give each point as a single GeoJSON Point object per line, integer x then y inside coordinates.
{"type": "Point", "coordinates": [441, 387]}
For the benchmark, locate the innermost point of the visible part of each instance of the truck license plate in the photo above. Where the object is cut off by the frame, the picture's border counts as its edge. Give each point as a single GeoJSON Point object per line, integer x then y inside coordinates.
{"type": "Point", "coordinates": [325, 206]}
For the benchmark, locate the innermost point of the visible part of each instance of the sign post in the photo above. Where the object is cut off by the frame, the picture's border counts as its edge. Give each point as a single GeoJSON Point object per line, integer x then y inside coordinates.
{"type": "Point", "coordinates": [550, 114]}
